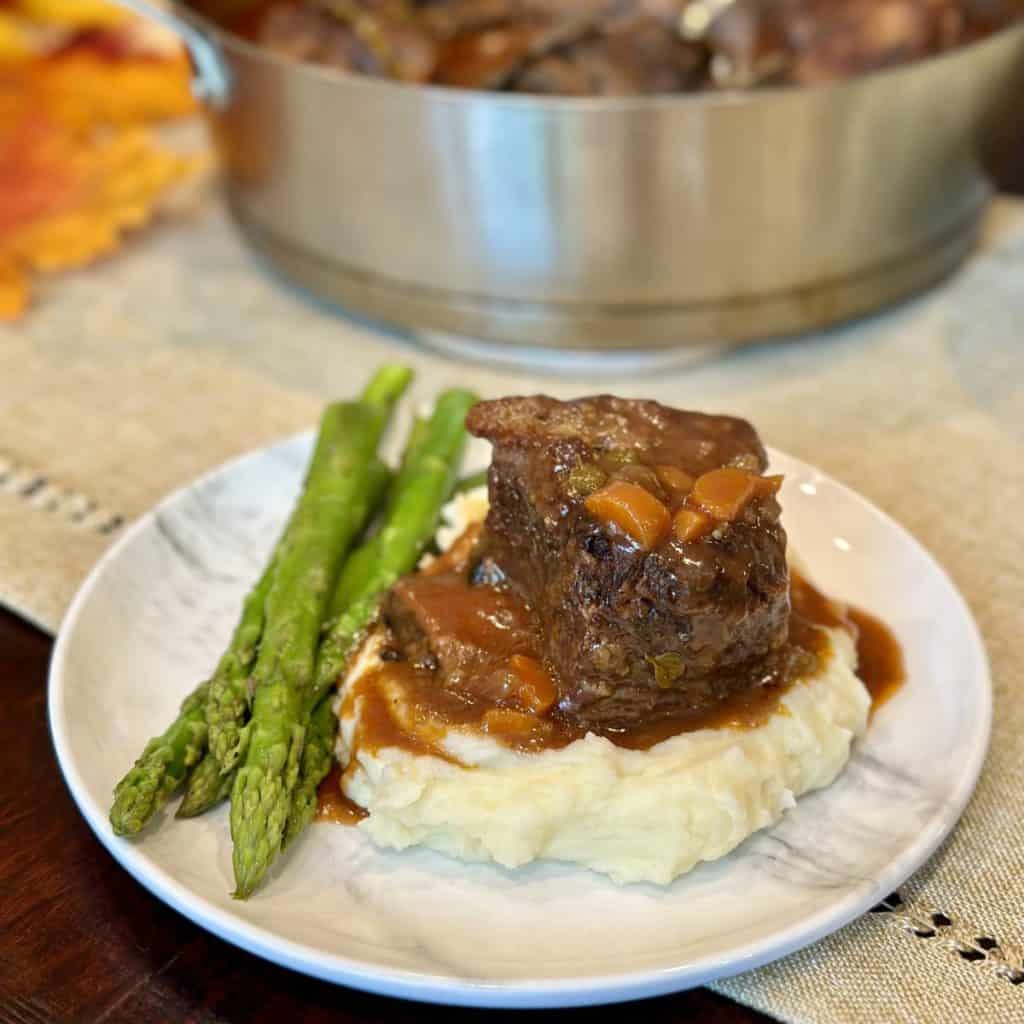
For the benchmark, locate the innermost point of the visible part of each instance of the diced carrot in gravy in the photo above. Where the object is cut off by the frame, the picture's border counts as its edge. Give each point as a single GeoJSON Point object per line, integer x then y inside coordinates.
{"type": "Point", "coordinates": [768, 485]}
{"type": "Point", "coordinates": [633, 509]}
{"type": "Point", "coordinates": [676, 481]}
{"type": "Point", "coordinates": [513, 725]}
{"type": "Point", "coordinates": [533, 688]}
{"type": "Point", "coordinates": [690, 524]}
{"type": "Point", "coordinates": [724, 493]}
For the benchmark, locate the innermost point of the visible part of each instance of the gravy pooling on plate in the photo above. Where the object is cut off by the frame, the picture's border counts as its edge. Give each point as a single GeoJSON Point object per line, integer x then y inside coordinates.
{"type": "Point", "coordinates": [612, 47]}
{"type": "Point", "coordinates": [331, 803]}
{"type": "Point", "coordinates": [880, 665]}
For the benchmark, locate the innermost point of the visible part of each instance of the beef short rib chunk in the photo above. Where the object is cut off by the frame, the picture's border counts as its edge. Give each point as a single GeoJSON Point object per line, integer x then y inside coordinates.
{"type": "Point", "coordinates": [632, 633]}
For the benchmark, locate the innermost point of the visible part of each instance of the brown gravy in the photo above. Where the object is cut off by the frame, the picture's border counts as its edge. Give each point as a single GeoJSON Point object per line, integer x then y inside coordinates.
{"type": "Point", "coordinates": [332, 804]}
{"type": "Point", "coordinates": [880, 663]}
{"type": "Point", "coordinates": [429, 708]}
{"type": "Point", "coordinates": [403, 706]}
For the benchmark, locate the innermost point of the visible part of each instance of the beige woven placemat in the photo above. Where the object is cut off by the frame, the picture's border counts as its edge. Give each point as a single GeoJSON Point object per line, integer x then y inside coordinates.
{"type": "Point", "coordinates": [129, 379]}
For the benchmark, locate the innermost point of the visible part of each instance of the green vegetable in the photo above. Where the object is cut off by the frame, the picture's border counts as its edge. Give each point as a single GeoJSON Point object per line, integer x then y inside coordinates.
{"type": "Point", "coordinates": [230, 699]}
{"type": "Point", "coordinates": [206, 787]}
{"type": "Point", "coordinates": [161, 767]}
{"type": "Point", "coordinates": [317, 756]}
{"type": "Point", "coordinates": [330, 512]}
{"type": "Point", "coordinates": [471, 482]}
{"type": "Point", "coordinates": [421, 487]}
{"type": "Point", "coordinates": [361, 562]}
{"type": "Point", "coordinates": [210, 782]}
{"type": "Point", "coordinates": [227, 702]}
{"type": "Point", "coordinates": [668, 667]}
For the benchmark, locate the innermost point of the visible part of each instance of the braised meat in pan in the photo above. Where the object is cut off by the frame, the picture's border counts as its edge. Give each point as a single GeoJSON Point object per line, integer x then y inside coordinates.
{"type": "Point", "coordinates": [618, 47]}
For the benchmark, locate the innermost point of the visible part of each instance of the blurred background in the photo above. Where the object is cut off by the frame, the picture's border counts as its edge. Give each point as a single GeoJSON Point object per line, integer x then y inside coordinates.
{"type": "Point", "coordinates": [597, 174]}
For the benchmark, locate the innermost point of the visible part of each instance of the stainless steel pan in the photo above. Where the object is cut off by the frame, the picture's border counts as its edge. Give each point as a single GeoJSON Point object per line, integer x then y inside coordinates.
{"type": "Point", "coordinates": [648, 221]}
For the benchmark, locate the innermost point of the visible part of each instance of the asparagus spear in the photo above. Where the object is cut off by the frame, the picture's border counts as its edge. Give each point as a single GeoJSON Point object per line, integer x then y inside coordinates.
{"type": "Point", "coordinates": [420, 489]}
{"type": "Point", "coordinates": [418, 435]}
{"type": "Point", "coordinates": [206, 786]}
{"type": "Point", "coordinates": [317, 756]}
{"type": "Point", "coordinates": [361, 561]}
{"type": "Point", "coordinates": [380, 480]}
{"type": "Point", "coordinates": [471, 482]}
{"type": "Point", "coordinates": [318, 752]}
{"type": "Point", "coordinates": [208, 783]}
{"type": "Point", "coordinates": [227, 700]}
{"type": "Point", "coordinates": [230, 699]}
{"type": "Point", "coordinates": [161, 767]}
{"type": "Point", "coordinates": [153, 779]}
{"type": "Point", "coordinates": [164, 763]}
{"type": "Point", "coordinates": [327, 517]}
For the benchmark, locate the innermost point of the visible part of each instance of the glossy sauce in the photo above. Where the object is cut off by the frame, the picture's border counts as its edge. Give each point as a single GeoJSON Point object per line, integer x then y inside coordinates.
{"type": "Point", "coordinates": [332, 804]}
{"type": "Point", "coordinates": [880, 663]}
{"type": "Point", "coordinates": [403, 704]}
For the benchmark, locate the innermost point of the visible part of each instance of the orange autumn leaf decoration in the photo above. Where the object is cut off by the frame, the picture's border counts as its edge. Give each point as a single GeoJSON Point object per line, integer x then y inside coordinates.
{"type": "Point", "coordinates": [14, 288]}
{"type": "Point", "coordinates": [80, 163]}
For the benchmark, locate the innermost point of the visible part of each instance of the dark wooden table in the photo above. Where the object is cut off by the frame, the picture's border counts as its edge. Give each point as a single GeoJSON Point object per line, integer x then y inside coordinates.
{"type": "Point", "coordinates": [80, 941]}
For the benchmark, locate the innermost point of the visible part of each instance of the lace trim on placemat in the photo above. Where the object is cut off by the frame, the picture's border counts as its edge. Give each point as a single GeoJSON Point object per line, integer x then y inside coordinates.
{"type": "Point", "coordinates": [944, 931]}
{"type": "Point", "coordinates": [39, 491]}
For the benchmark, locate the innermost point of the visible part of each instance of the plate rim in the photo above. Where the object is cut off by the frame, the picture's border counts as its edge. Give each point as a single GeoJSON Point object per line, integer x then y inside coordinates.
{"type": "Point", "coordinates": [529, 994]}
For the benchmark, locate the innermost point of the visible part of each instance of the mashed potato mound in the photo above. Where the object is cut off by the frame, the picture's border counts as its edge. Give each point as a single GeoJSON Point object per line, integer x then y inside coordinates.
{"type": "Point", "coordinates": [635, 815]}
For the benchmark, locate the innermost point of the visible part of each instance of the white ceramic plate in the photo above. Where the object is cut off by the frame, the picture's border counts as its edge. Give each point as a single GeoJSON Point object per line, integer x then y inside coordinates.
{"type": "Point", "coordinates": [155, 613]}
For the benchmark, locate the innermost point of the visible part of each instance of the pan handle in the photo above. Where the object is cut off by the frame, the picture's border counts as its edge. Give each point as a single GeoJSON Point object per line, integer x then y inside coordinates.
{"type": "Point", "coordinates": [212, 81]}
